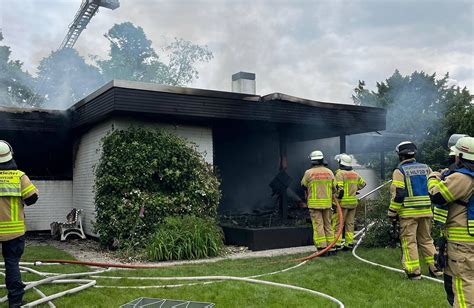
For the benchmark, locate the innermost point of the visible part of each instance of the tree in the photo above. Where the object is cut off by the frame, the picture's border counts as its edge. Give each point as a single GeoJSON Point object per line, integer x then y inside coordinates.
{"type": "Point", "coordinates": [64, 78]}
{"type": "Point", "coordinates": [423, 107]}
{"type": "Point", "coordinates": [132, 57]}
{"type": "Point", "coordinates": [15, 84]}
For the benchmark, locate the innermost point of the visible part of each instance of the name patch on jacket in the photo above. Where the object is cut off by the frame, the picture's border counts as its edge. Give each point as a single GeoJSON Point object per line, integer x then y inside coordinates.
{"type": "Point", "coordinates": [415, 170]}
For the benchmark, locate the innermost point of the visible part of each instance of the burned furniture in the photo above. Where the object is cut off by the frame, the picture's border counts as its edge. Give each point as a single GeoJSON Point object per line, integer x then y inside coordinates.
{"type": "Point", "coordinates": [73, 225]}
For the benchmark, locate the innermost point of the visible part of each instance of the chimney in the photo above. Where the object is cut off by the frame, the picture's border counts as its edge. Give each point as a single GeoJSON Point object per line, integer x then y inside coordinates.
{"type": "Point", "coordinates": [243, 82]}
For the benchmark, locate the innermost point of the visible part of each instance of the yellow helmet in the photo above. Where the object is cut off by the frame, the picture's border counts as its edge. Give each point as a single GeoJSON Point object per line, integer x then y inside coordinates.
{"type": "Point", "coordinates": [6, 152]}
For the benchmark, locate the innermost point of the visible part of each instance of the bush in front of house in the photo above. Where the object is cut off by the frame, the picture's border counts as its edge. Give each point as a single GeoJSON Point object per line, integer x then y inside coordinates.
{"type": "Point", "coordinates": [185, 238]}
{"type": "Point", "coordinates": [145, 176]}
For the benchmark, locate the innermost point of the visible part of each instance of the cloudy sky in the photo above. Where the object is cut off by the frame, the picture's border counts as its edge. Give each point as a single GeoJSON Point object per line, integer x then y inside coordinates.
{"type": "Point", "coordinates": [313, 49]}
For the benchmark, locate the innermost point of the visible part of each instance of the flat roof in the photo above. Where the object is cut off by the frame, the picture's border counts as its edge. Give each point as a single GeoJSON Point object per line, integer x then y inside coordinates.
{"type": "Point", "coordinates": [153, 100]}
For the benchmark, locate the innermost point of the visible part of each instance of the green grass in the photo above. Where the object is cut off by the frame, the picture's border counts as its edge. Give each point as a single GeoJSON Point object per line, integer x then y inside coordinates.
{"type": "Point", "coordinates": [355, 283]}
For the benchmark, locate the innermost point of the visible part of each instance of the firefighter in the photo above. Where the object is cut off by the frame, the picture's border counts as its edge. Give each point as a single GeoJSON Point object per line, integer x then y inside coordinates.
{"type": "Point", "coordinates": [348, 182]}
{"type": "Point", "coordinates": [410, 203]}
{"type": "Point", "coordinates": [451, 146]}
{"type": "Point", "coordinates": [453, 194]}
{"type": "Point", "coordinates": [320, 189]}
{"type": "Point", "coordinates": [16, 190]}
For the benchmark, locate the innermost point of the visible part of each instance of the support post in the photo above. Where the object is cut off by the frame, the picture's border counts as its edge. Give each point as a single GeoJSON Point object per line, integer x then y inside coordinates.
{"type": "Point", "coordinates": [382, 165]}
{"type": "Point", "coordinates": [342, 144]}
{"type": "Point", "coordinates": [283, 166]}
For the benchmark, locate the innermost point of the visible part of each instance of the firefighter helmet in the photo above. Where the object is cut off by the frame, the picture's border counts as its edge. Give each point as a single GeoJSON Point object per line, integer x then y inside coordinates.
{"type": "Point", "coordinates": [6, 152]}
{"type": "Point", "coordinates": [452, 142]}
{"type": "Point", "coordinates": [316, 155]}
{"type": "Point", "coordinates": [344, 159]}
{"type": "Point", "coordinates": [465, 148]}
{"type": "Point", "coordinates": [406, 148]}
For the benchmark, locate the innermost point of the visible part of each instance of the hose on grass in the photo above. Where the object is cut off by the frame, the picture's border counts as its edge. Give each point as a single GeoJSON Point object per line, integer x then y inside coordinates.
{"type": "Point", "coordinates": [381, 265]}
{"type": "Point", "coordinates": [336, 238]}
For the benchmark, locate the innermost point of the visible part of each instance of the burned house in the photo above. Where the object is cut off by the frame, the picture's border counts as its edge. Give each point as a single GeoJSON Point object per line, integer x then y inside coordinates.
{"type": "Point", "coordinates": [249, 138]}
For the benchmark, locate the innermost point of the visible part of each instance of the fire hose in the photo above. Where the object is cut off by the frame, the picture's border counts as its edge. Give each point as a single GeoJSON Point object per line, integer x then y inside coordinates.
{"type": "Point", "coordinates": [212, 279]}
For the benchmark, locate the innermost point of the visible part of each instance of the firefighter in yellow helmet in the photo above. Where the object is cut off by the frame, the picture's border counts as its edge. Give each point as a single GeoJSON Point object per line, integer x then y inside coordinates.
{"type": "Point", "coordinates": [320, 189]}
{"type": "Point", "coordinates": [410, 203]}
{"type": "Point", "coordinates": [16, 190]}
{"type": "Point", "coordinates": [453, 194]}
{"type": "Point", "coordinates": [348, 183]}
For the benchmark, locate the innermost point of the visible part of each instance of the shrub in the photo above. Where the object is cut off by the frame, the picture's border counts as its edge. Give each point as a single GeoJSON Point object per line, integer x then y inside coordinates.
{"type": "Point", "coordinates": [186, 237]}
{"type": "Point", "coordinates": [144, 176]}
{"type": "Point", "coordinates": [379, 234]}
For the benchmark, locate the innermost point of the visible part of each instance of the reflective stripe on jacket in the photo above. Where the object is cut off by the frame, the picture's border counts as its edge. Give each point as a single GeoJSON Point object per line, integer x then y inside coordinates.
{"type": "Point", "coordinates": [320, 187]}
{"type": "Point", "coordinates": [14, 187]}
{"type": "Point", "coordinates": [454, 195]}
{"type": "Point", "coordinates": [409, 190]}
{"type": "Point", "coordinates": [349, 182]}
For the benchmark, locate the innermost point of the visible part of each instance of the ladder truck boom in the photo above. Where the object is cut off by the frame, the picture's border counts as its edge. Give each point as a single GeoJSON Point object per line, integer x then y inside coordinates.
{"type": "Point", "coordinates": [83, 16]}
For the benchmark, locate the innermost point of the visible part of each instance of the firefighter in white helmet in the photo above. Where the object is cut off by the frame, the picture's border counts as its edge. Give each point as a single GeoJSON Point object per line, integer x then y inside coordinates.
{"type": "Point", "coordinates": [16, 190]}
{"type": "Point", "coordinates": [320, 189]}
{"type": "Point", "coordinates": [348, 183]}
{"type": "Point", "coordinates": [453, 194]}
{"type": "Point", "coordinates": [410, 203]}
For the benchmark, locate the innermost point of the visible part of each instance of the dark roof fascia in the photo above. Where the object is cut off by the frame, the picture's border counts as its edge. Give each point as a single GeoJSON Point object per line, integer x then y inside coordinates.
{"type": "Point", "coordinates": [34, 119]}
{"type": "Point", "coordinates": [326, 105]}
{"type": "Point", "coordinates": [145, 86]}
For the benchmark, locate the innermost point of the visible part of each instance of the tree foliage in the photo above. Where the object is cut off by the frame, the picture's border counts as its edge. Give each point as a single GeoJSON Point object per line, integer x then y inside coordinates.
{"type": "Point", "coordinates": [423, 107]}
{"type": "Point", "coordinates": [64, 78]}
{"type": "Point", "coordinates": [144, 176]}
{"type": "Point", "coordinates": [16, 85]}
{"type": "Point", "coordinates": [132, 57]}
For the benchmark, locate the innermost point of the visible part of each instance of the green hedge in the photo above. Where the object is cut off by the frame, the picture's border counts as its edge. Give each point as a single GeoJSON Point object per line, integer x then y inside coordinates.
{"type": "Point", "coordinates": [185, 238]}
{"type": "Point", "coordinates": [144, 176]}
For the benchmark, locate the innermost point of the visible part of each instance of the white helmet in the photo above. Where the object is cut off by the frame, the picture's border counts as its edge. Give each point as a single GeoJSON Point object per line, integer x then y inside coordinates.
{"type": "Point", "coordinates": [344, 159]}
{"type": "Point", "coordinates": [6, 152]}
{"type": "Point", "coordinates": [316, 155]}
{"type": "Point", "coordinates": [452, 142]}
{"type": "Point", "coordinates": [465, 148]}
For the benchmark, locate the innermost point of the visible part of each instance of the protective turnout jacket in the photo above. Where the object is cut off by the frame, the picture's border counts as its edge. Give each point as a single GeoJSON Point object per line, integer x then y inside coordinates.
{"type": "Point", "coordinates": [15, 187]}
{"type": "Point", "coordinates": [348, 183]}
{"type": "Point", "coordinates": [452, 193]}
{"type": "Point", "coordinates": [320, 187]}
{"type": "Point", "coordinates": [409, 190]}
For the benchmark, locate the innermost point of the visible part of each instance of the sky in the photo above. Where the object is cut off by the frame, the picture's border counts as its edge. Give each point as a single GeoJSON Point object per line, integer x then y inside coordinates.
{"type": "Point", "coordinates": [312, 49]}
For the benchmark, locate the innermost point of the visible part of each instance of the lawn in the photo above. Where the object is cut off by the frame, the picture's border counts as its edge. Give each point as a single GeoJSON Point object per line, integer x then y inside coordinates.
{"type": "Point", "coordinates": [355, 283]}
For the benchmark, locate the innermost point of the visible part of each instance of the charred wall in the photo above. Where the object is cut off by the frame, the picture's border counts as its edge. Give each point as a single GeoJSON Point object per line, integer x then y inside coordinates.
{"type": "Point", "coordinates": [247, 158]}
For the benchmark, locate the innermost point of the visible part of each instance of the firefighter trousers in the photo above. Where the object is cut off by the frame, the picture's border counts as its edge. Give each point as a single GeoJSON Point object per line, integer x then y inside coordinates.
{"type": "Point", "coordinates": [348, 216]}
{"type": "Point", "coordinates": [416, 232]}
{"type": "Point", "coordinates": [459, 274]}
{"type": "Point", "coordinates": [322, 228]}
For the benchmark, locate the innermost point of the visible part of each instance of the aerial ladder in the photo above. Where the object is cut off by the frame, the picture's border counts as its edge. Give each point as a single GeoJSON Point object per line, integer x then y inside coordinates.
{"type": "Point", "coordinates": [83, 17]}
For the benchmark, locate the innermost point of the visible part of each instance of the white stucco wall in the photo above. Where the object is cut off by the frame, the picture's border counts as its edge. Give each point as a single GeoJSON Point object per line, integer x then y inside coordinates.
{"type": "Point", "coordinates": [88, 155]}
{"type": "Point", "coordinates": [54, 203]}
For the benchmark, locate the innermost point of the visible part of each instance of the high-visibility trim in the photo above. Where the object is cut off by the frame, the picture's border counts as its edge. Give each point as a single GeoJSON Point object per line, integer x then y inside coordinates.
{"type": "Point", "coordinates": [460, 234]}
{"type": "Point", "coordinates": [400, 184]}
{"type": "Point", "coordinates": [349, 238]}
{"type": "Point", "coordinates": [447, 195]}
{"type": "Point", "coordinates": [14, 208]}
{"type": "Point", "coordinates": [432, 183]}
{"type": "Point", "coordinates": [405, 212]}
{"type": "Point", "coordinates": [440, 215]}
{"type": "Point", "coordinates": [460, 293]}
{"type": "Point", "coordinates": [12, 223]}
{"type": "Point", "coordinates": [360, 181]}
{"type": "Point", "coordinates": [429, 260]}
{"type": "Point", "coordinates": [395, 205]}
{"type": "Point", "coordinates": [27, 190]}
{"type": "Point", "coordinates": [409, 186]}
{"type": "Point", "coordinates": [12, 230]}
